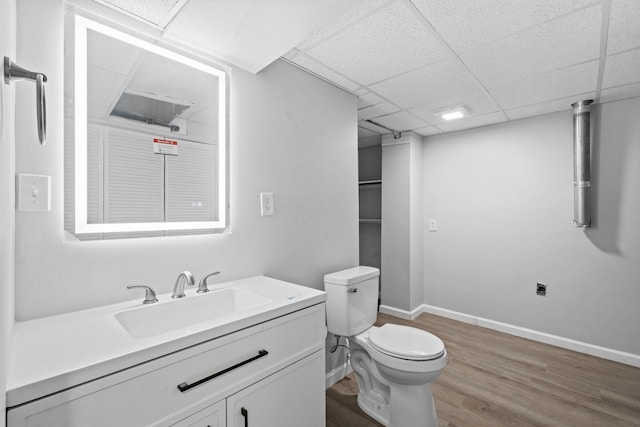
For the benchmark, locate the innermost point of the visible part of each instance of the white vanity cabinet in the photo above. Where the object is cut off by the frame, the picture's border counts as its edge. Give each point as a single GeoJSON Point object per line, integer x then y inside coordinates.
{"type": "Point", "coordinates": [273, 371]}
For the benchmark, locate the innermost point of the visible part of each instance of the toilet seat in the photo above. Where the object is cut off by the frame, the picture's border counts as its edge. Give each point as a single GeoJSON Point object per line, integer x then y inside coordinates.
{"type": "Point", "coordinates": [405, 342]}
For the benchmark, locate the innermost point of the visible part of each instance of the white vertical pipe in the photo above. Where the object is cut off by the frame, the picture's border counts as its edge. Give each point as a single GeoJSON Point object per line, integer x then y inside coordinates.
{"type": "Point", "coordinates": [581, 164]}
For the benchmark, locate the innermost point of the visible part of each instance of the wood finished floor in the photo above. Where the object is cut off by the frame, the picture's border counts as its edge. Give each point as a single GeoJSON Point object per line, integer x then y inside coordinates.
{"type": "Point", "coordinates": [494, 379]}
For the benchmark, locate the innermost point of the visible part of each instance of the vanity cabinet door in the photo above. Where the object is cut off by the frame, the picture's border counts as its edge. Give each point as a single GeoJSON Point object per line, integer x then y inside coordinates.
{"type": "Point", "coordinates": [292, 397]}
{"type": "Point", "coordinates": [213, 416]}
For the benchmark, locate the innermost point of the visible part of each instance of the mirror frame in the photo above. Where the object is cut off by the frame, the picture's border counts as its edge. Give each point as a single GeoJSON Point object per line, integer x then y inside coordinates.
{"type": "Point", "coordinates": [82, 26]}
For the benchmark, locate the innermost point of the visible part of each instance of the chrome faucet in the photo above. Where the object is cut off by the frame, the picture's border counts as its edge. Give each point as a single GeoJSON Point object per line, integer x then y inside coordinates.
{"type": "Point", "coordinates": [178, 287]}
{"type": "Point", "coordinates": [149, 296]}
{"type": "Point", "coordinates": [202, 285]}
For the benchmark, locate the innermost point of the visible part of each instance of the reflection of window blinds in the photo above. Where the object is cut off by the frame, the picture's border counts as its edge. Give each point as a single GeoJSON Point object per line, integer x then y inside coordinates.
{"type": "Point", "coordinates": [191, 177]}
{"type": "Point", "coordinates": [133, 178]}
{"type": "Point", "coordinates": [94, 174]}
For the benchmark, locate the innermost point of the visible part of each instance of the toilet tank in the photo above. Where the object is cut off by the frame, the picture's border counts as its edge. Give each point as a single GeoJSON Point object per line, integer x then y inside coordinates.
{"type": "Point", "coordinates": [352, 300]}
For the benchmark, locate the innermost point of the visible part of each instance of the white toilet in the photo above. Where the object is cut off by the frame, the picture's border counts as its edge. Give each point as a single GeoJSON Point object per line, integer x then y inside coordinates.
{"type": "Point", "coordinates": [394, 364]}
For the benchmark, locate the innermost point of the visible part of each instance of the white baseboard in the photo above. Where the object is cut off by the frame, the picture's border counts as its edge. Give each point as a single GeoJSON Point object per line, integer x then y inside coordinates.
{"type": "Point", "coordinates": [403, 314]}
{"type": "Point", "coordinates": [337, 374]}
{"type": "Point", "coordinates": [579, 346]}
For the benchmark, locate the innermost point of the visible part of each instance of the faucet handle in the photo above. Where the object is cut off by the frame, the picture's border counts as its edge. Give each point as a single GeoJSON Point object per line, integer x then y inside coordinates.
{"type": "Point", "coordinates": [150, 294]}
{"type": "Point", "coordinates": [202, 285]}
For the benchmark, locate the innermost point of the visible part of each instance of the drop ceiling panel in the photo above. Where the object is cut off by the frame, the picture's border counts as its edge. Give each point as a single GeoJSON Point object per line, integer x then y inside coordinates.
{"type": "Point", "coordinates": [359, 11]}
{"type": "Point", "coordinates": [429, 84]}
{"type": "Point", "coordinates": [622, 69]}
{"type": "Point", "coordinates": [471, 122]}
{"type": "Point", "coordinates": [251, 34]}
{"type": "Point", "coordinates": [477, 102]}
{"type": "Point", "coordinates": [372, 127]}
{"type": "Point", "coordinates": [376, 111]}
{"type": "Point", "coordinates": [157, 12]}
{"type": "Point", "coordinates": [426, 131]}
{"type": "Point", "coordinates": [624, 26]}
{"type": "Point", "coordinates": [620, 92]}
{"type": "Point", "coordinates": [389, 42]}
{"type": "Point", "coordinates": [319, 69]}
{"type": "Point", "coordinates": [545, 87]}
{"type": "Point", "coordinates": [369, 99]}
{"type": "Point", "coordinates": [365, 133]}
{"type": "Point", "coordinates": [465, 24]}
{"type": "Point", "coordinates": [547, 107]}
{"type": "Point", "coordinates": [555, 44]}
{"type": "Point", "coordinates": [401, 121]}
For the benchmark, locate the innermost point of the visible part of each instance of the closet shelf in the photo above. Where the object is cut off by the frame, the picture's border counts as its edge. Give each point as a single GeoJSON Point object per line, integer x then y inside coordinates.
{"type": "Point", "coordinates": [370, 182]}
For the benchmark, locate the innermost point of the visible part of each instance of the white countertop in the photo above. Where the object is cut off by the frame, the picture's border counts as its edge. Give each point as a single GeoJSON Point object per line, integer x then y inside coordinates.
{"type": "Point", "coordinates": [55, 353]}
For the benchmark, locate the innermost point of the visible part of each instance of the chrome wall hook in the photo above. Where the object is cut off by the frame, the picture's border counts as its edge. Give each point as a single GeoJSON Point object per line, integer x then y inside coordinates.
{"type": "Point", "coordinates": [14, 72]}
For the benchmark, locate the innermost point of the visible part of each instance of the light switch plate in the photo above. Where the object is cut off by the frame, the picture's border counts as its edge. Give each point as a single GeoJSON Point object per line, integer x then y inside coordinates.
{"type": "Point", "coordinates": [267, 207]}
{"type": "Point", "coordinates": [34, 193]}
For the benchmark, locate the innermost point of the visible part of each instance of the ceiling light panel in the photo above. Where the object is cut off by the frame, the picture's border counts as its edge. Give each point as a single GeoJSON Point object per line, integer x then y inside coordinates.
{"type": "Point", "coordinates": [624, 27]}
{"type": "Point", "coordinates": [621, 69]}
{"type": "Point", "coordinates": [477, 101]}
{"type": "Point", "coordinates": [565, 41]}
{"type": "Point", "coordinates": [157, 12]}
{"type": "Point", "coordinates": [545, 87]}
{"type": "Point", "coordinates": [389, 42]}
{"type": "Point", "coordinates": [470, 122]}
{"type": "Point", "coordinates": [428, 84]}
{"type": "Point", "coordinates": [471, 23]}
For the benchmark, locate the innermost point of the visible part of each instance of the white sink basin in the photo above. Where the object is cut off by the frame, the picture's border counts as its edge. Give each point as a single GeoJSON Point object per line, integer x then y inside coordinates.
{"type": "Point", "coordinates": [185, 313]}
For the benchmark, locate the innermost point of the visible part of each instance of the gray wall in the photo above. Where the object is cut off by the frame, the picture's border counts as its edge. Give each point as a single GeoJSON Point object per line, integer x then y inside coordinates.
{"type": "Point", "coordinates": [286, 127]}
{"type": "Point", "coordinates": [7, 168]}
{"type": "Point", "coordinates": [503, 198]}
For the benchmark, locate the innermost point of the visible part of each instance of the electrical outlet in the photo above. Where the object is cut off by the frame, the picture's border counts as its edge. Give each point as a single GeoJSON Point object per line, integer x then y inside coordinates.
{"type": "Point", "coordinates": [541, 289]}
{"type": "Point", "coordinates": [267, 206]}
{"type": "Point", "coordinates": [433, 225]}
{"type": "Point", "coordinates": [34, 193]}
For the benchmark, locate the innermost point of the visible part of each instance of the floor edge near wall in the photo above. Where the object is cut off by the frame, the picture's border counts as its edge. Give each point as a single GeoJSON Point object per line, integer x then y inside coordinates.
{"type": "Point", "coordinates": [558, 341]}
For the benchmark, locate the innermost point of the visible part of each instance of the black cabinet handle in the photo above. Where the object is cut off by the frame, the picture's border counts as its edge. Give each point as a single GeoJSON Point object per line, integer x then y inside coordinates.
{"type": "Point", "coordinates": [185, 386]}
{"type": "Point", "coordinates": [245, 414]}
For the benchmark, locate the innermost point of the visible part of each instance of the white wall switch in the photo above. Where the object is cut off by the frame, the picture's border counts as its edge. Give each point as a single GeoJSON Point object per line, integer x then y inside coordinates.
{"type": "Point", "coordinates": [433, 225]}
{"type": "Point", "coordinates": [34, 193]}
{"type": "Point", "coordinates": [267, 207]}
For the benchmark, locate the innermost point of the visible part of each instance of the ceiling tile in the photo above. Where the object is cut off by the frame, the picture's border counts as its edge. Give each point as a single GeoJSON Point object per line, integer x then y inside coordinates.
{"type": "Point", "coordinates": [401, 121]}
{"type": "Point", "coordinates": [426, 131]}
{"type": "Point", "coordinates": [377, 111]}
{"type": "Point", "coordinates": [471, 122]}
{"type": "Point", "coordinates": [389, 42]}
{"type": "Point", "coordinates": [555, 44]}
{"type": "Point", "coordinates": [432, 83]}
{"type": "Point", "coordinates": [620, 92]}
{"type": "Point", "coordinates": [621, 69]}
{"type": "Point", "coordinates": [158, 12]}
{"type": "Point", "coordinates": [365, 133]}
{"type": "Point", "coordinates": [369, 99]}
{"type": "Point", "coordinates": [549, 86]}
{"type": "Point", "coordinates": [477, 102]}
{"type": "Point", "coordinates": [547, 107]}
{"type": "Point", "coordinates": [361, 10]}
{"type": "Point", "coordinates": [372, 127]}
{"type": "Point", "coordinates": [317, 68]}
{"type": "Point", "coordinates": [624, 26]}
{"type": "Point", "coordinates": [465, 24]}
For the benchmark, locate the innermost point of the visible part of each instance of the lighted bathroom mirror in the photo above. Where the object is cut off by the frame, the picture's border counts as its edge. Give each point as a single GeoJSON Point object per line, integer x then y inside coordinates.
{"type": "Point", "coordinates": [145, 136]}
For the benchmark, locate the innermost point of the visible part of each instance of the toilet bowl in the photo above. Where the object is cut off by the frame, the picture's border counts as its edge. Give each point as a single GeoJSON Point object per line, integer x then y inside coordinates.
{"type": "Point", "coordinates": [394, 364]}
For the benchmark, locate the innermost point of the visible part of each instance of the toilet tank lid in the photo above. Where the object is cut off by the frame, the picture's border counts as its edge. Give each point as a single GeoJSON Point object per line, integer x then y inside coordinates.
{"type": "Point", "coordinates": [352, 276]}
